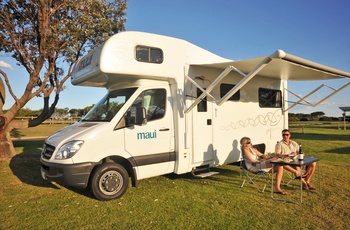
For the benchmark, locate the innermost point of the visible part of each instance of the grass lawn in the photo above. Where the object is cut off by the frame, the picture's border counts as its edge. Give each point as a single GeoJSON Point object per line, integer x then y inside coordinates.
{"type": "Point", "coordinates": [37, 131]}
{"type": "Point", "coordinates": [180, 201]}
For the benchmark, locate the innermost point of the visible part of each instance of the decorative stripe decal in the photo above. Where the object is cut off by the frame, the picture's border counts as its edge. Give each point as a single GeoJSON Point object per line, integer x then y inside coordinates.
{"type": "Point", "coordinates": [154, 158]}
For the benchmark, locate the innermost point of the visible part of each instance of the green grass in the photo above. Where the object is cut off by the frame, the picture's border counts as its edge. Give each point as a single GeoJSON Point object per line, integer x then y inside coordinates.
{"type": "Point", "coordinates": [37, 131]}
{"type": "Point", "coordinates": [180, 201]}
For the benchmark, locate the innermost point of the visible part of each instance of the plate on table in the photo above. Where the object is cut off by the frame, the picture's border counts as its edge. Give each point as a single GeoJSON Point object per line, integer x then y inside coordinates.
{"type": "Point", "coordinates": [292, 156]}
{"type": "Point", "coordinates": [287, 159]}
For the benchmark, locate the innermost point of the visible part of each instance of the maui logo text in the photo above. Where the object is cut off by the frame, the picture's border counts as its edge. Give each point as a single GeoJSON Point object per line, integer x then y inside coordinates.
{"type": "Point", "coordinates": [146, 135]}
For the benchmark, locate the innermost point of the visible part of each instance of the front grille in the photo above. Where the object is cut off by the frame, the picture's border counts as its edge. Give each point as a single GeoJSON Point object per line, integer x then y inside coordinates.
{"type": "Point", "coordinates": [47, 151]}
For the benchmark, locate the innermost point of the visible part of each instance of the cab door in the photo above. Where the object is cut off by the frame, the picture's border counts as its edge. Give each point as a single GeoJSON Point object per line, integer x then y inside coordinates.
{"type": "Point", "coordinates": [151, 145]}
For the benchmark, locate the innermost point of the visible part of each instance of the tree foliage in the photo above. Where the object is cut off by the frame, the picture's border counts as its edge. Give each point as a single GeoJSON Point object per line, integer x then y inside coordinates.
{"type": "Point", "coordinates": [314, 116]}
{"type": "Point", "coordinates": [44, 36]}
{"type": "Point", "coordinates": [317, 115]}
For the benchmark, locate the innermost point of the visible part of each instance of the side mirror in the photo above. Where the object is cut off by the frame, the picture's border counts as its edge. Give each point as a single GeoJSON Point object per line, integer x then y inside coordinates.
{"type": "Point", "coordinates": [129, 120]}
{"type": "Point", "coordinates": [138, 119]}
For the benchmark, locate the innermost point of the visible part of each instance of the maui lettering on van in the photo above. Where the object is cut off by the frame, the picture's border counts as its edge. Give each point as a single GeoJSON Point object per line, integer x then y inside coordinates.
{"type": "Point", "coordinates": [147, 135]}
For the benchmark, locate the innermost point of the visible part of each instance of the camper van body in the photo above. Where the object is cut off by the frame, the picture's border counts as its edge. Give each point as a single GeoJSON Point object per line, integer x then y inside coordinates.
{"type": "Point", "coordinates": [177, 108]}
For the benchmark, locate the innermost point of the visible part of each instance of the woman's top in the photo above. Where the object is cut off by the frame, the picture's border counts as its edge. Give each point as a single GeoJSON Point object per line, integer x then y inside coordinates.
{"type": "Point", "coordinates": [256, 166]}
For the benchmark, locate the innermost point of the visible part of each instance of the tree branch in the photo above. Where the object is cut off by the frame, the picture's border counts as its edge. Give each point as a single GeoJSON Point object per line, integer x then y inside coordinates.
{"type": "Point", "coordinates": [46, 112]}
{"type": "Point", "coordinates": [8, 84]}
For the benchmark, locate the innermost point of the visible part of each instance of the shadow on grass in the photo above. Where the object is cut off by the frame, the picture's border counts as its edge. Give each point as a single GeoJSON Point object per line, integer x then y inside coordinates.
{"type": "Point", "coordinates": [320, 137]}
{"type": "Point", "coordinates": [26, 166]}
{"type": "Point", "coordinates": [344, 150]}
{"type": "Point", "coordinates": [326, 137]}
{"type": "Point", "coordinates": [223, 172]}
{"type": "Point", "coordinates": [16, 133]}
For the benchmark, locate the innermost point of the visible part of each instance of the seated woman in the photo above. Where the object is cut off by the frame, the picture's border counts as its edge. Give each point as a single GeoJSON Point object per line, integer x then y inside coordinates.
{"type": "Point", "coordinates": [253, 155]}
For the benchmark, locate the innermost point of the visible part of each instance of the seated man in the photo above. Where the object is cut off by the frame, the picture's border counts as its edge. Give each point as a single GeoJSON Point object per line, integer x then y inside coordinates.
{"type": "Point", "coordinates": [253, 155]}
{"type": "Point", "coordinates": [287, 147]}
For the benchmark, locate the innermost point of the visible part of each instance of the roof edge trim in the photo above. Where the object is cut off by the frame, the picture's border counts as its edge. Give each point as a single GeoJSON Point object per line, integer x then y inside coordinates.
{"type": "Point", "coordinates": [301, 61]}
{"type": "Point", "coordinates": [278, 54]}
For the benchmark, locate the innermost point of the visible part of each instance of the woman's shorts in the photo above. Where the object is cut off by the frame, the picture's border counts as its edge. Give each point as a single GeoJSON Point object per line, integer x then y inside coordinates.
{"type": "Point", "coordinates": [262, 166]}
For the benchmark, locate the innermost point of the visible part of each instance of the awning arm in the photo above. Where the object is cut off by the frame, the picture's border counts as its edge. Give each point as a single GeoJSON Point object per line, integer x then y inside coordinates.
{"type": "Point", "coordinates": [312, 92]}
{"type": "Point", "coordinates": [240, 84]}
{"type": "Point", "coordinates": [309, 103]}
{"type": "Point", "coordinates": [245, 80]}
{"type": "Point", "coordinates": [209, 89]}
{"type": "Point", "coordinates": [199, 87]}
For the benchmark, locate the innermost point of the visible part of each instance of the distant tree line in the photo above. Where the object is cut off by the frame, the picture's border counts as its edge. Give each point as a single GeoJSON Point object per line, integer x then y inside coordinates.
{"type": "Point", "coordinates": [60, 113]}
{"type": "Point", "coordinates": [315, 116]}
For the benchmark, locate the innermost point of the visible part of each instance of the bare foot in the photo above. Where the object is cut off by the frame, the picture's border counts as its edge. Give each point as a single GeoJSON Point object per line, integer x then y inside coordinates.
{"type": "Point", "coordinates": [281, 192]}
{"type": "Point", "coordinates": [311, 187]}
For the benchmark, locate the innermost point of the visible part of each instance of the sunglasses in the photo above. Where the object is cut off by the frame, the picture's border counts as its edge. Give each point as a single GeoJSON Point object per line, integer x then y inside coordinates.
{"type": "Point", "coordinates": [248, 142]}
{"type": "Point", "coordinates": [285, 135]}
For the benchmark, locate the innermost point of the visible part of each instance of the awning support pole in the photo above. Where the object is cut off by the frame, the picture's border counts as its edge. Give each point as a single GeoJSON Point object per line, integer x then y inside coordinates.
{"type": "Point", "coordinates": [312, 92]}
{"type": "Point", "coordinates": [245, 80]}
{"type": "Point", "coordinates": [209, 89]}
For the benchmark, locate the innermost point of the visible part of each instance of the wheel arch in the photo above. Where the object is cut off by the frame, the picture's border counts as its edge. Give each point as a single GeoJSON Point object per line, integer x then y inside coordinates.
{"type": "Point", "coordinates": [127, 164]}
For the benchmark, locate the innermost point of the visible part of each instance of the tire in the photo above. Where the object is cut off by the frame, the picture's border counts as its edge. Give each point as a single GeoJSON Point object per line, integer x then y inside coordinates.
{"type": "Point", "coordinates": [109, 181]}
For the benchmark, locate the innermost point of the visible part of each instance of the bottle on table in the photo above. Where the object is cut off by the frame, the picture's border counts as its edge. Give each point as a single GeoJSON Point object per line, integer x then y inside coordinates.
{"type": "Point", "coordinates": [301, 153]}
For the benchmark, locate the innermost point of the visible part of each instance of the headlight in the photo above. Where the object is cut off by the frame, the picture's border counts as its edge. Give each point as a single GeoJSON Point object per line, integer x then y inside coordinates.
{"type": "Point", "coordinates": [69, 149]}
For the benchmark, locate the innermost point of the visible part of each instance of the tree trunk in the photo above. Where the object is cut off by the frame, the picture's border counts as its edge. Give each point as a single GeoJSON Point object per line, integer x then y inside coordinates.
{"type": "Point", "coordinates": [7, 150]}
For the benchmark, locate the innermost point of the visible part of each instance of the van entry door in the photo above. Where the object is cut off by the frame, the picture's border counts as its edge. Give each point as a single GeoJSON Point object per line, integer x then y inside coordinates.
{"type": "Point", "coordinates": [203, 149]}
{"type": "Point", "coordinates": [152, 144]}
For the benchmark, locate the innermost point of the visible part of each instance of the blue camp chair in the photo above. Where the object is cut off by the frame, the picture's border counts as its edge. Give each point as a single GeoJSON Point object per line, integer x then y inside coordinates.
{"type": "Point", "coordinates": [252, 177]}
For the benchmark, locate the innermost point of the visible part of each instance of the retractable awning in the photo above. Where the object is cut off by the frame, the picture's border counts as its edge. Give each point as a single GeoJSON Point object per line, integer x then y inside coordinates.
{"type": "Point", "coordinates": [279, 65]}
{"type": "Point", "coordinates": [285, 66]}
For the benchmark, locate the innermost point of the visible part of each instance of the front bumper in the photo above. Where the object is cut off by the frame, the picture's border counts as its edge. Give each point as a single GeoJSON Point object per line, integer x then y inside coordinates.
{"type": "Point", "coordinates": [74, 175]}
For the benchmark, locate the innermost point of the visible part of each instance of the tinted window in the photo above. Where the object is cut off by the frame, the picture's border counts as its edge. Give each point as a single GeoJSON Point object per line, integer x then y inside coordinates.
{"type": "Point", "coordinates": [270, 98]}
{"type": "Point", "coordinates": [149, 54]}
{"type": "Point", "coordinates": [225, 88]}
{"type": "Point", "coordinates": [202, 106]}
{"type": "Point", "coordinates": [153, 100]}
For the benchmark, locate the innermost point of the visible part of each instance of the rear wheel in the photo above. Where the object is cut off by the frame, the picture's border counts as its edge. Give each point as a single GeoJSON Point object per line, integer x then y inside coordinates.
{"type": "Point", "coordinates": [109, 181]}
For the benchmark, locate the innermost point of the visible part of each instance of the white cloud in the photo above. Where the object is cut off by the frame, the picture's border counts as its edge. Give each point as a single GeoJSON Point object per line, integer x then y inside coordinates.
{"type": "Point", "coordinates": [328, 103]}
{"type": "Point", "coordinates": [5, 65]}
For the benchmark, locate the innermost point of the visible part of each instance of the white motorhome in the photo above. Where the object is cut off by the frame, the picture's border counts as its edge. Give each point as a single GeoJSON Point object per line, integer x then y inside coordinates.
{"type": "Point", "coordinates": [171, 107]}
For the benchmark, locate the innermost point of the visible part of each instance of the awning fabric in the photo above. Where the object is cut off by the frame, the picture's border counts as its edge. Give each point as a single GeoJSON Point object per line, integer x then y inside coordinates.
{"type": "Point", "coordinates": [285, 66]}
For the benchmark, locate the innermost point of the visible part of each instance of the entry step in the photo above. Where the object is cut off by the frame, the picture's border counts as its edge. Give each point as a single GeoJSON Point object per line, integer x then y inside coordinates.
{"type": "Point", "coordinates": [206, 174]}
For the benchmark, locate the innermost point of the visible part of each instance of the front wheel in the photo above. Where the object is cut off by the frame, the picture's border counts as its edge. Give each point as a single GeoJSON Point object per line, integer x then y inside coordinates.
{"type": "Point", "coordinates": [109, 181]}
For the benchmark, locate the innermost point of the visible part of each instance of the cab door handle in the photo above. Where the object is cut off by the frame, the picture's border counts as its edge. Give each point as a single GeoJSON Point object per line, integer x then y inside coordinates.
{"type": "Point", "coordinates": [164, 129]}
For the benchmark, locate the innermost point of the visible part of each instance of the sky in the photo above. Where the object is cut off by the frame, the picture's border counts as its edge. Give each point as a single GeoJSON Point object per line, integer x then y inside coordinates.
{"type": "Point", "coordinates": [317, 30]}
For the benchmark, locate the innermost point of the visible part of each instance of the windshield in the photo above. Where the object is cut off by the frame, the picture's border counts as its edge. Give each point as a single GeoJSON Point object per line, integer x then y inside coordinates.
{"type": "Point", "coordinates": [109, 106]}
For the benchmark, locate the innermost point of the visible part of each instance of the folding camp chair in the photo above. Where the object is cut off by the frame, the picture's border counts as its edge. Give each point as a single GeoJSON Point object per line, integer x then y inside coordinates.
{"type": "Point", "coordinates": [252, 177]}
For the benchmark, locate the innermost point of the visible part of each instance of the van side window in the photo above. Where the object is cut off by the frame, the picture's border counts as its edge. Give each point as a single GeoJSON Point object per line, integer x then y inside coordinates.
{"type": "Point", "coordinates": [225, 88]}
{"type": "Point", "coordinates": [149, 54]}
{"type": "Point", "coordinates": [202, 106]}
{"type": "Point", "coordinates": [153, 100]}
{"type": "Point", "coordinates": [270, 98]}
